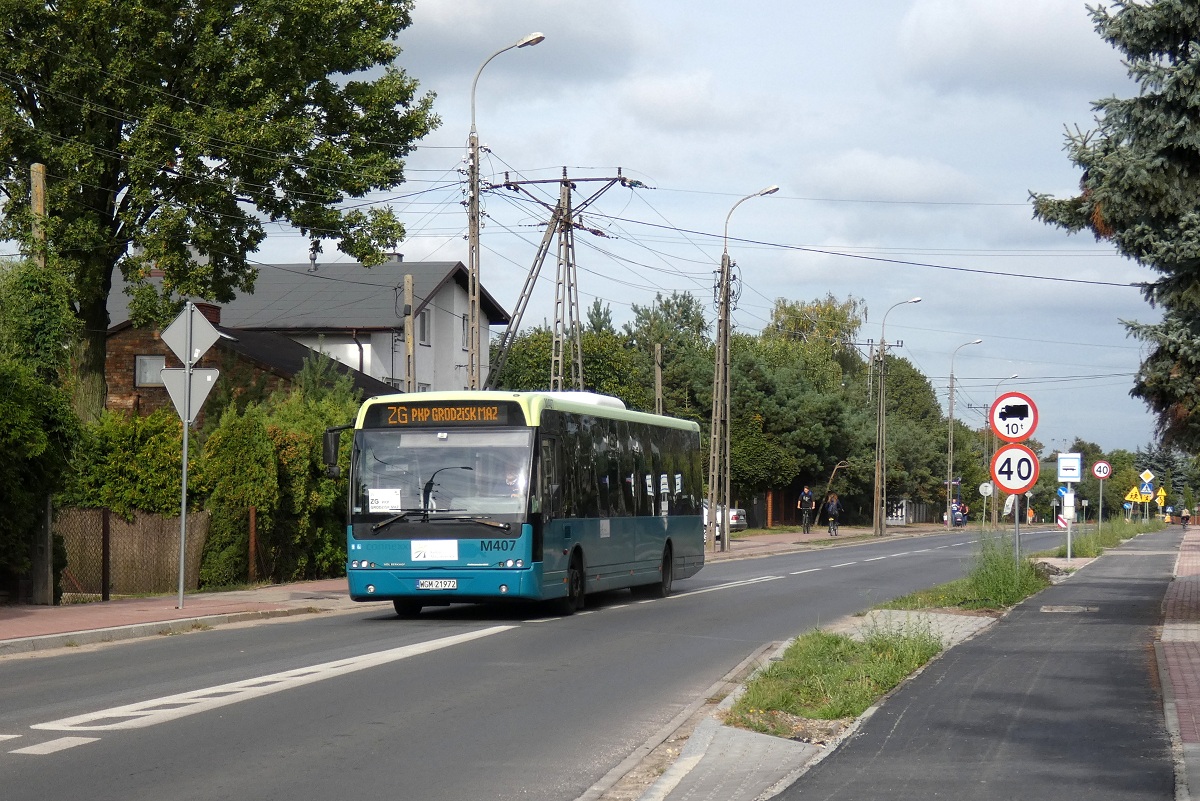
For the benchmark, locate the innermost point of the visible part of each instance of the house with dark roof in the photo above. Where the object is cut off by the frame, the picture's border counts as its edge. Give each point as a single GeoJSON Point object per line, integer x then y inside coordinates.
{"type": "Point", "coordinates": [353, 314]}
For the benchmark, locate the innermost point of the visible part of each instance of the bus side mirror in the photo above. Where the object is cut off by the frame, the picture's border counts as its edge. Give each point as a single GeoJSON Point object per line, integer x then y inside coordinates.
{"type": "Point", "coordinates": [330, 445]}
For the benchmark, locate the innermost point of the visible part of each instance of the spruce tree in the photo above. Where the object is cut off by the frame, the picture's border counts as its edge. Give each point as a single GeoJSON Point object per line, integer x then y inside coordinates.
{"type": "Point", "coordinates": [1141, 191]}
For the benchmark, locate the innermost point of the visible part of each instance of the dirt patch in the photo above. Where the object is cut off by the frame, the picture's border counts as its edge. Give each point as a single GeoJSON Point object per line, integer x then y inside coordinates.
{"type": "Point", "coordinates": [794, 727]}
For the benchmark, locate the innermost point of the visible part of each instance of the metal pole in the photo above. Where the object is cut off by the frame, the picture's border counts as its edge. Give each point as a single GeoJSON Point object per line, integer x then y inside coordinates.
{"type": "Point", "coordinates": [187, 424]}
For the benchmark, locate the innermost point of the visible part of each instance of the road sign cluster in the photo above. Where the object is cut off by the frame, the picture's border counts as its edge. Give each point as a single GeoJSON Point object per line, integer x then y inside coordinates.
{"type": "Point", "coordinates": [1015, 468]}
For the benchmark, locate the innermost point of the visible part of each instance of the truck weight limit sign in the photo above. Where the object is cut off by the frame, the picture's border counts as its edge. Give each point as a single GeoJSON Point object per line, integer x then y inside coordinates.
{"type": "Point", "coordinates": [1015, 468]}
{"type": "Point", "coordinates": [1014, 417]}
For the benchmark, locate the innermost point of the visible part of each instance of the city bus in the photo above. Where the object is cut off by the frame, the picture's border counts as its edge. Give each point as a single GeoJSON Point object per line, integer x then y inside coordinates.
{"type": "Point", "coordinates": [476, 497]}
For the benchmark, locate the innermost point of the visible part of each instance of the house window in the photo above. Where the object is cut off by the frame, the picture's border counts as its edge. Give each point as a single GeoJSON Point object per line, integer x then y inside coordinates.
{"type": "Point", "coordinates": [424, 388]}
{"type": "Point", "coordinates": [424, 335]}
{"type": "Point", "coordinates": [466, 338]}
{"type": "Point", "coordinates": [146, 370]}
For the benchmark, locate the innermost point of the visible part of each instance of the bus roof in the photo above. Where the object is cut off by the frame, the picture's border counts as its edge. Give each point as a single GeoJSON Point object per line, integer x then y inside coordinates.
{"type": "Point", "coordinates": [534, 403]}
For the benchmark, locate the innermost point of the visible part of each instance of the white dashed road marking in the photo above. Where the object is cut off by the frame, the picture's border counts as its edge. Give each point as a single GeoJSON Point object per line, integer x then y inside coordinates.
{"type": "Point", "coordinates": [54, 746]}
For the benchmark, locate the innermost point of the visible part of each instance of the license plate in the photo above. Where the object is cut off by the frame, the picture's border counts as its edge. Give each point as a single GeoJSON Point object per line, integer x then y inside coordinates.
{"type": "Point", "coordinates": [437, 584]}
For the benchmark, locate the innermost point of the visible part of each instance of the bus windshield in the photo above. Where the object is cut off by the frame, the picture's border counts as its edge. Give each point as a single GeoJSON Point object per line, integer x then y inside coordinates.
{"type": "Point", "coordinates": [428, 473]}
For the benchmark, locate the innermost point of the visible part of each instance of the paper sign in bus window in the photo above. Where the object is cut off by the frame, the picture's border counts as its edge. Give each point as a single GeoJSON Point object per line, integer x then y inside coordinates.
{"type": "Point", "coordinates": [384, 500]}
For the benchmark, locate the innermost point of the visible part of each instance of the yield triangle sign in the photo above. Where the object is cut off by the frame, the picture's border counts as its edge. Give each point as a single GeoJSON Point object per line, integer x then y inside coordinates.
{"type": "Point", "coordinates": [176, 382]}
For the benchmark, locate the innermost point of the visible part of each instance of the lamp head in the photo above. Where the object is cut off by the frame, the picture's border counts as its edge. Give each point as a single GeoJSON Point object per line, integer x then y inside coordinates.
{"type": "Point", "coordinates": [914, 300]}
{"type": "Point", "coordinates": [531, 40]}
{"type": "Point", "coordinates": [977, 341]}
{"type": "Point", "coordinates": [770, 190]}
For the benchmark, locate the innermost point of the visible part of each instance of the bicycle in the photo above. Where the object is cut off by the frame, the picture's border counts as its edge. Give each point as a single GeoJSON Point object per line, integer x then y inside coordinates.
{"type": "Point", "coordinates": [833, 526]}
{"type": "Point", "coordinates": [806, 520]}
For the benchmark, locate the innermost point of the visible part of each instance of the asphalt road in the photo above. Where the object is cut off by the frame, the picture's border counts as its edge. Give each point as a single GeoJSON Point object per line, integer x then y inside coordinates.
{"type": "Point", "coordinates": [465, 703]}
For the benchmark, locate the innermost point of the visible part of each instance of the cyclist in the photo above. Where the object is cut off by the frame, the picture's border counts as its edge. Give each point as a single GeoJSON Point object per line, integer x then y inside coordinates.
{"type": "Point", "coordinates": [807, 504]}
{"type": "Point", "coordinates": [1185, 517]}
{"type": "Point", "coordinates": [833, 508]}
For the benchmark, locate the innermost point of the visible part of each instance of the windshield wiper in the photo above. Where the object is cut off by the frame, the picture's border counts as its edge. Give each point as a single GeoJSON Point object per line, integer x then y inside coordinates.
{"type": "Point", "coordinates": [483, 521]}
{"type": "Point", "coordinates": [396, 518]}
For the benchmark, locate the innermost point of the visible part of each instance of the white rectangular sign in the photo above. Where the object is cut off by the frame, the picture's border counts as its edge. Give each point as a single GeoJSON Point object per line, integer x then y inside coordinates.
{"type": "Point", "coordinates": [1070, 468]}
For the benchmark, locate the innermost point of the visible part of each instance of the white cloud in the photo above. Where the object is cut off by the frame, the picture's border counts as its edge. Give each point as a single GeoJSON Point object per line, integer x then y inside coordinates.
{"type": "Point", "coordinates": [1020, 47]}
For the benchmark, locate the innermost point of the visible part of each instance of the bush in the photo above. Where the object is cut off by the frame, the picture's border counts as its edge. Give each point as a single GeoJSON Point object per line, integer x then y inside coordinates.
{"type": "Point", "coordinates": [128, 464]}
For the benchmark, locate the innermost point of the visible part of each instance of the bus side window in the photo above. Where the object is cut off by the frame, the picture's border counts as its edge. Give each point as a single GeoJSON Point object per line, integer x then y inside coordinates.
{"type": "Point", "coordinates": [551, 486]}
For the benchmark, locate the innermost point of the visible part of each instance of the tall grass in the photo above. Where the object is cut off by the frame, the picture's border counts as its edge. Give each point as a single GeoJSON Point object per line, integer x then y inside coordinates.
{"type": "Point", "coordinates": [829, 676]}
{"type": "Point", "coordinates": [1111, 534]}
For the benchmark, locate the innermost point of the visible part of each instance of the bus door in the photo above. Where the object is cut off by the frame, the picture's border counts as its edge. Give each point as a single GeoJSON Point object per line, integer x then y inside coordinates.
{"type": "Point", "coordinates": [556, 535]}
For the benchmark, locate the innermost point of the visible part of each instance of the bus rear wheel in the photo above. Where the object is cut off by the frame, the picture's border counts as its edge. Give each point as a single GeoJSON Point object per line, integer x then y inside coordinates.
{"type": "Point", "coordinates": [406, 608]}
{"type": "Point", "coordinates": [573, 602]}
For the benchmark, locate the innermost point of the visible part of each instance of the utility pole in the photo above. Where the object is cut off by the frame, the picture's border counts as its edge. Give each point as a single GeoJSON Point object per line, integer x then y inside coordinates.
{"type": "Point", "coordinates": [43, 552]}
{"type": "Point", "coordinates": [410, 349]}
{"type": "Point", "coordinates": [879, 513]}
{"type": "Point", "coordinates": [474, 357]}
{"type": "Point", "coordinates": [719, 439]}
{"type": "Point", "coordinates": [658, 398]}
{"type": "Point", "coordinates": [564, 219]}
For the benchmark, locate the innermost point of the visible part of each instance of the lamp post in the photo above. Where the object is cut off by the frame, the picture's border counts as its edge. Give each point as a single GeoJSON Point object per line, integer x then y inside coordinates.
{"type": "Point", "coordinates": [950, 434]}
{"type": "Point", "coordinates": [474, 359]}
{"type": "Point", "coordinates": [879, 519]}
{"type": "Point", "coordinates": [992, 448]}
{"type": "Point", "coordinates": [719, 436]}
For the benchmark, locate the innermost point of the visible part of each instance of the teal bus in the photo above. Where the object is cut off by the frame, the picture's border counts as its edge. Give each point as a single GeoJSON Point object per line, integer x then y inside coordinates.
{"type": "Point", "coordinates": [475, 497]}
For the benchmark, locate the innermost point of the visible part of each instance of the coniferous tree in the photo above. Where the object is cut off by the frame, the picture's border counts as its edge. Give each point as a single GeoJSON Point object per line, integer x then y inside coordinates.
{"type": "Point", "coordinates": [1141, 191]}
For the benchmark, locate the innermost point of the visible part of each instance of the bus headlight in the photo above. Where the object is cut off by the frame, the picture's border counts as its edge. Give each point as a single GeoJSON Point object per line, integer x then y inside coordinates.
{"type": "Point", "coordinates": [503, 589]}
{"type": "Point", "coordinates": [370, 589]}
{"type": "Point", "coordinates": [509, 563]}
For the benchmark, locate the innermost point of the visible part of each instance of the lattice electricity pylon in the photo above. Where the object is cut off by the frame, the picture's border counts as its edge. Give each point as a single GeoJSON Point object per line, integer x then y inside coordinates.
{"type": "Point", "coordinates": [564, 219]}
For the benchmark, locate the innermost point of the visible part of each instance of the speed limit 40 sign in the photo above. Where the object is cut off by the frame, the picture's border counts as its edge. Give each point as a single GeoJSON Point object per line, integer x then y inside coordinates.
{"type": "Point", "coordinates": [1102, 470]}
{"type": "Point", "coordinates": [1015, 468]}
{"type": "Point", "coordinates": [1014, 417]}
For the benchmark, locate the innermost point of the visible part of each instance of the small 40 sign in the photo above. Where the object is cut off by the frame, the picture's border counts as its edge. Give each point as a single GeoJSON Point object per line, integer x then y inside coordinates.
{"type": "Point", "coordinates": [1015, 468]}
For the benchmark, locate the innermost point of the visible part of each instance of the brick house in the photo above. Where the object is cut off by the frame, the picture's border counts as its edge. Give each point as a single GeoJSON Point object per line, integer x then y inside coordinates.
{"type": "Point", "coordinates": [262, 359]}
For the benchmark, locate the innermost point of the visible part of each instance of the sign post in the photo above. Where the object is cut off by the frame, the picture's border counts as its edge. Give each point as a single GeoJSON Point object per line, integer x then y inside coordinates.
{"type": "Point", "coordinates": [189, 337]}
{"type": "Point", "coordinates": [1101, 470]}
{"type": "Point", "coordinates": [1070, 471]}
{"type": "Point", "coordinates": [1013, 418]}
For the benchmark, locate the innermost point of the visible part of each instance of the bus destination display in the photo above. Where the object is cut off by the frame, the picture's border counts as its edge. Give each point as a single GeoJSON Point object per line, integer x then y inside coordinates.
{"type": "Point", "coordinates": [457, 413]}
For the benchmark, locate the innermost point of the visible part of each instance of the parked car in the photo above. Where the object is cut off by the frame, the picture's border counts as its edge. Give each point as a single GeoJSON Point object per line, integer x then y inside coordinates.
{"type": "Point", "coordinates": [738, 521]}
{"type": "Point", "coordinates": [735, 520]}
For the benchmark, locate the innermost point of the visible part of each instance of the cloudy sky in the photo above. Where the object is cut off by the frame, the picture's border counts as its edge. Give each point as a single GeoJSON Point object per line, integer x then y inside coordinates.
{"type": "Point", "coordinates": [905, 136]}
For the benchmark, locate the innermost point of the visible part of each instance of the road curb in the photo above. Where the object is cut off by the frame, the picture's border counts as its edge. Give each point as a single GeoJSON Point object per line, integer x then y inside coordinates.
{"type": "Point", "coordinates": [46, 642]}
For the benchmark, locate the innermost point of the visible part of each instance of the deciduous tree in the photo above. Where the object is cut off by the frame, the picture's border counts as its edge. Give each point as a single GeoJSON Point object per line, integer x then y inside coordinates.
{"type": "Point", "coordinates": [174, 131]}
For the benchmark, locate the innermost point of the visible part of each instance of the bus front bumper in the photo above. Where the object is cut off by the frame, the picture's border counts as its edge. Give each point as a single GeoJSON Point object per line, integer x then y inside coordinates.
{"type": "Point", "coordinates": [445, 586]}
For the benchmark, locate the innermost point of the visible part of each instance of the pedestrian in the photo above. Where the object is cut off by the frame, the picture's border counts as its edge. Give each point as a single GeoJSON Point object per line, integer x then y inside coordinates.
{"type": "Point", "coordinates": [833, 510]}
{"type": "Point", "coordinates": [806, 504]}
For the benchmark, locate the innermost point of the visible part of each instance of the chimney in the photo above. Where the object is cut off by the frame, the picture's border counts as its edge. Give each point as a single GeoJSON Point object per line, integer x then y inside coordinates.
{"type": "Point", "coordinates": [211, 312]}
{"type": "Point", "coordinates": [394, 258]}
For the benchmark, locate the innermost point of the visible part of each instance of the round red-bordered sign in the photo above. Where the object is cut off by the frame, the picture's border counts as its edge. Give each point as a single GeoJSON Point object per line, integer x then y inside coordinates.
{"type": "Point", "coordinates": [1013, 416]}
{"type": "Point", "coordinates": [1102, 470]}
{"type": "Point", "coordinates": [1015, 468]}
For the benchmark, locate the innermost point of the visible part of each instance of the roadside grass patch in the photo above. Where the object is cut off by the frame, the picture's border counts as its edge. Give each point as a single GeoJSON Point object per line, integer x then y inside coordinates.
{"type": "Point", "coordinates": [1111, 534]}
{"type": "Point", "coordinates": [830, 677]}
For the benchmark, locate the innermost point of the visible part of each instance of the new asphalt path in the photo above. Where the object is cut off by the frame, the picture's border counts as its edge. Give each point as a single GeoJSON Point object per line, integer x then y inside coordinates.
{"type": "Point", "coordinates": [1090, 689]}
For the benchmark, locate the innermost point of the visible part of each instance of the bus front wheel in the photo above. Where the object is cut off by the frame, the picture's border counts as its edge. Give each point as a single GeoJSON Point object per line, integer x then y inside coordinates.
{"type": "Point", "coordinates": [575, 587]}
{"type": "Point", "coordinates": [406, 608]}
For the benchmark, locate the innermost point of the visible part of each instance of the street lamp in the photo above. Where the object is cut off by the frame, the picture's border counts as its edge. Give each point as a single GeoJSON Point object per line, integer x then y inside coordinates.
{"type": "Point", "coordinates": [950, 434]}
{"type": "Point", "coordinates": [878, 520]}
{"type": "Point", "coordinates": [719, 436]}
{"type": "Point", "coordinates": [474, 359]}
{"type": "Point", "coordinates": [992, 448]}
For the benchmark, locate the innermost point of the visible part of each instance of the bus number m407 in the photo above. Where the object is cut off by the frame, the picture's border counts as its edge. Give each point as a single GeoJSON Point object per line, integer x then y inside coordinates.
{"type": "Point", "coordinates": [497, 545]}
